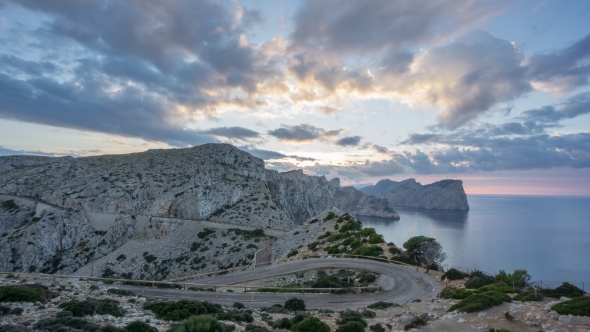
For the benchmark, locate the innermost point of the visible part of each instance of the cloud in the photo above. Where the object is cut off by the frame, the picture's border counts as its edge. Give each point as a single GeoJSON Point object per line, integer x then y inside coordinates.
{"type": "Point", "coordinates": [233, 132]}
{"type": "Point", "coordinates": [365, 27]}
{"type": "Point", "coordinates": [349, 141]}
{"type": "Point", "coordinates": [273, 155]}
{"type": "Point", "coordinates": [380, 149]}
{"type": "Point", "coordinates": [301, 133]}
{"type": "Point", "coordinates": [573, 107]}
{"type": "Point", "coordinates": [173, 65]}
{"type": "Point", "coordinates": [9, 152]}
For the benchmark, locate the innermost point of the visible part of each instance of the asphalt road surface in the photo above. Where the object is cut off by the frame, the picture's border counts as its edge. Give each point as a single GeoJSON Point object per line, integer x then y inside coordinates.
{"type": "Point", "coordinates": [400, 284]}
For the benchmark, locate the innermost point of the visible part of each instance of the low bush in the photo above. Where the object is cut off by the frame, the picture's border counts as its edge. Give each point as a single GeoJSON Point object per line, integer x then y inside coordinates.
{"type": "Point", "coordinates": [120, 292]}
{"type": "Point", "coordinates": [61, 323]}
{"type": "Point", "coordinates": [329, 216]}
{"type": "Point", "coordinates": [284, 323]}
{"type": "Point", "coordinates": [367, 277]}
{"type": "Point", "coordinates": [17, 311]}
{"type": "Point", "coordinates": [394, 251]}
{"type": "Point", "coordinates": [499, 287]}
{"type": "Point", "coordinates": [331, 282]}
{"type": "Point", "coordinates": [201, 323]}
{"type": "Point", "coordinates": [351, 226]}
{"type": "Point", "coordinates": [376, 328]}
{"type": "Point", "coordinates": [183, 309]}
{"type": "Point", "coordinates": [457, 294]}
{"type": "Point", "coordinates": [376, 238]}
{"type": "Point", "coordinates": [4, 310]}
{"type": "Point", "coordinates": [139, 326]}
{"type": "Point", "coordinates": [382, 305]}
{"type": "Point", "coordinates": [368, 231]}
{"type": "Point", "coordinates": [26, 293]}
{"type": "Point", "coordinates": [295, 304]}
{"type": "Point", "coordinates": [292, 253]}
{"type": "Point", "coordinates": [478, 281]}
{"type": "Point", "coordinates": [352, 326]}
{"type": "Point", "coordinates": [519, 278]}
{"type": "Point", "coordinates": [299, 318]}
{"type": "Point", "coordinates": [405, 259]}
{"type": "Point", "coordinates": [453, 274]}
{"type": "Point", "coordinates": [579, 306]}
{"type": "Point", "coordinates": [256, 328]}
{"type": "Point", "coordinates": [313, 246]}
{"type": "Point", "coordinates": [235, 317]}
{"type": "Point", "coordinates": [478, 302]}
{"type": "Point", "coordinates": [311, 324]}
{"type": "Point", "coordinates": [529, 296]}
{"type": "Point", "coordinates": [373, 251]}
{"type": "Point", "coordinates": [92, 307]}
{"type": "Point", "coordinates": [417, 322]}
{"type": "Point", "coordinates": [239, 305]}
{"type": "Point", "coordinates": [566, 289]}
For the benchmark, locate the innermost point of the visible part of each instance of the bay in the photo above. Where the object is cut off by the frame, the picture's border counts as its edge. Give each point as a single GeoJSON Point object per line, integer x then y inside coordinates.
{"type": "Point", "coordinates": [549, 236]}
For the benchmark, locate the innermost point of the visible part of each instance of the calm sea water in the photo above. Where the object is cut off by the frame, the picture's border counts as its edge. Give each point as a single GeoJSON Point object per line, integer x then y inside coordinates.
{"type": "Point", "coordinates": [547, 235]}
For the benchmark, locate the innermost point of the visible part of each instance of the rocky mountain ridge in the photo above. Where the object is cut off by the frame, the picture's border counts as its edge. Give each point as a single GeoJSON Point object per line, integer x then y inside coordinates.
{"type": "Point", "coordinates": [441, 195]}
{"type": "Point", "coordinates": [59, 214]}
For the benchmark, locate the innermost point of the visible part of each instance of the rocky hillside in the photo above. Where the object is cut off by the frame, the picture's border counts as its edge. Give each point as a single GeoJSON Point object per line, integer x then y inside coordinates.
{"type": "Point", "coordinates": [442, 195]}
{"type": "Point", "coordinates": [140, 215]}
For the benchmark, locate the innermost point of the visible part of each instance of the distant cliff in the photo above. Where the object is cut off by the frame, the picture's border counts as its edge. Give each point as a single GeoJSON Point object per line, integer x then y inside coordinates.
{"type": "Point", "coordinates": [441, 195]}
{"type": "Point", "coordinates": [301, 196]}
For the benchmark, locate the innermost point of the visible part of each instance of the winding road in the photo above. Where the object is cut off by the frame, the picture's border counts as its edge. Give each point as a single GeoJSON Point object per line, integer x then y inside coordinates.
{"type": "Point", "coordinates": [400, 284]}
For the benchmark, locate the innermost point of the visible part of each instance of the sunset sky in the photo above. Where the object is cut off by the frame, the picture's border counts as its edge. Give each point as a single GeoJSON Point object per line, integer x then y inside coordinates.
{"type": "Point", "coordinates": [491, 92]}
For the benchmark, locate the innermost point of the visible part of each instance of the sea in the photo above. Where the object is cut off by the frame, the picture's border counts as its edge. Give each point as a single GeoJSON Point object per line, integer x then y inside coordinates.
{"type": "Point", "coordinates": [549, 236]}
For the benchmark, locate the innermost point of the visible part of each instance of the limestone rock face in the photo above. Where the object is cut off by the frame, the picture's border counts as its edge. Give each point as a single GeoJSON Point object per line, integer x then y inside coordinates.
{"type": "Point", "coordinates": [441, 195]}
{"type": "Point", "coordinates": [302, 196]}
{"type": "Point", "coordinates": [59, 214]}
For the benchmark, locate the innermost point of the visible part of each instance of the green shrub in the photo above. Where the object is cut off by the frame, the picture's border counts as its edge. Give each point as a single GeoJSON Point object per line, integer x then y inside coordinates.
{"type": "Point", "coordinates": [26, 293]}
{"type": "Point", "coordinates": [453, 274]}
{"type": "Point", "coordinates": [299, 318]}
{"type": "Point", "coordinates": [405, 259]}
{"type": "Point", "coordinates": [4, 310]}
{"type": "Point", "coordinates": [330, 216]}
{"type": "Point", "coordinates": [579, 306]}
{"type": "Point", "coordinates": [256, 328]}
{"type": "Point", "coordinates": [284, 323]}
{"type": "Point", "coordinates": [478, 281]}
{"type": "Point", "coordinates": [138, 326]}
{"type": "Point", "coordinates": [110, 328]}
{"type": "Point", "coordinates": [92, 307]}
{"type": "Point", "coordinates": [352, 326]}
{"type": "Point", "coordinates": [313, 246]}
{"type": "Point", "coordinates": [367, 277]}
{"type": "Point", "coordinates": [382, 305]}
{"type": "Point", "coordinates": [17, 311]}
{"type": "Point", "coordinates": [295, 304]}
{"type": "Point", "coordinates": [377, 328]}
{"type": "Point", "coordinates": [331, 282]}
{"type": "Point", "coordinates": [478, 302]}
{"type": "Point", "coordinates": [9, 205]}
{"type": "Point", "coordinates": [292, 253]}
{"type": "Point", "coordinates": [311, 324]}
{"type": "Point", "coordinates": [368, 251]}
{"type": "Point", "coordinates": [58, 323]}
{"type": "Point", "coordinates": [394, 251]}
{"type": "Point", "coordinates": [351, 226]}
{"type": "Point", "coordinates": [333, 250]}
{"type": "Point", "coordinates": [417, 322]}
{"type": "Point", "coordinates": [196, 289]}
{"type": "Point", "coordinates": [519, 278]}
{"type": "Point", "coordinates": [183, 309]}
{"type": "Point", "coordinates": [239, 305]}
{"type": "Point", "coordinates": [457, 294]}
{"type": "Point", "coordinates": [498, 287]}
{"type": "Point", "coordinates": [368, 231]}
{"type": "Point", "coordinates": [236, 317]}
{"type": "Point", "coordinates": [414, 242]}
{"type": "Point", "coordinates": [120, 292]}
{"type": "Point", "coordinates": [529, 296]}
{"type": "Point", "coordinates": [566, 289]}
{"type": "Point", "coordinates": [201, 323]}
{"type": "Point", "coordinates": [334, 238]}
{"type": "Point", "coordinates": [376, 238]}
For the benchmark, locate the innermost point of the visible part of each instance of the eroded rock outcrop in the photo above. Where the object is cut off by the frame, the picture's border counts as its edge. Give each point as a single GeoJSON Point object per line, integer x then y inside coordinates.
{"type": "Point", "coordinates": [59, 214]}
{"type": "Point", "coordinates": [442, 195]}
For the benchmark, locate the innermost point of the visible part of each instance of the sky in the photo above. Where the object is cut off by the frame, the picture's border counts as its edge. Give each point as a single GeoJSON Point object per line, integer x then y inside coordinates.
{"type": "Point", "coordinates": [495, 93]}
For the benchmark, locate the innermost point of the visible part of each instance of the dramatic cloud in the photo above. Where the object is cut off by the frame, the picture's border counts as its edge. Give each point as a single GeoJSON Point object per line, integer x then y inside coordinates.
{"type": "Point", "coordinates": [349, 141]}
{"type": "Point", "coordinates": [233, 132]}
{"type": "Point", "coordinates": [301, 133]}
{"type": "Point", "coordinates": [575, 106]}
{"type": "Point", "coordinates": [142, 69]}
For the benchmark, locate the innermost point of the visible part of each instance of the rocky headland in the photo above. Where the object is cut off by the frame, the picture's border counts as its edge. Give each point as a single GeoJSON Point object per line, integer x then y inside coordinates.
{"type": "Point", "coordinates": [440, 195]}
{"type": "Point", "coordinates": [159, 213]}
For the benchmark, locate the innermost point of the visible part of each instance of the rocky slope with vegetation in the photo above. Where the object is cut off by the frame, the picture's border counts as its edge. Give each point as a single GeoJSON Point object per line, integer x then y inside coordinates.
{"type": "Point", "coordinates": [140, 215]}
{"type": "Point", "coordinates": [440, 195]}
